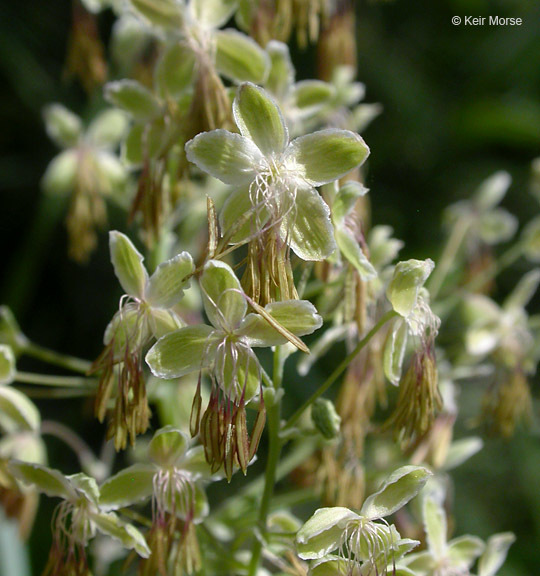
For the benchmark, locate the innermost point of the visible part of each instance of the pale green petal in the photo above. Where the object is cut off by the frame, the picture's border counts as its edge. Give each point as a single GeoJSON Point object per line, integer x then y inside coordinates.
{"type": "Point", "coordinates": [308, 228]}
{"type": "Point", "coordinates": [350, 248]}
{"type": "Point", "coordinates": [128, 264]}
{"type": "Point", "coordinates": [496, 226]}
{"type": "Point", "coordinates": [229, 157]}
{"type": "Point", "coordinates": [298, 316]}
{"type": "Point", "coordinates": [420, 562]}
{"type": "Point", "coordinates": [19, 409]}
{"type": "Point", "coordinates": [128, 330]}
{"type": "Point", "coordinates": [223, 297]}
{"type": "Point", "coordinates": [187, 350]}
{"type": "Point", "coordinates": [126, 534]}
{"type": "Point", "coordinates": [346, 199]}
{"type": "Point", "coordinates": [63, 127]}
{"type": "Point", "coordinates": [322, 533]}
{"type": "Point", "coordinates": [530, 239]}
{"type": "Point", "coordinates": [168, 446]}
{"type": "Point", "coordinates": [259, 118]}
{"type": "Point", "coordinates": [240, 219]}
{"type": "Point", "coordinates": [240, 58]}
{"type": "Point", "coordinates": [408, 278]}
{"type": "Point", "coordinates": [327, 155]}
{"type": "Point", "coordinates": [175, 70]}
{"type": "Point", "coordinates": [461, 450]}
{"type": "Point", "coordinates": [134, 98]}
{"type": "Point", "coordinates": [162, 322]}
{"type": "Point", "coordinates": [61, 174]}
{"type": "Point", "coordinates": [333, 565]}
{"type": "Point", "coordinates": [7, 365]}
{"type": "Point", "coordinates": [144, 141]}
{"type": "Point", "coordinates": [281, 74]}
{"type": "Point", "coordinates": [195, 463]}
{"type": "Point", "coordinates": [129, 486]}
{"type": "Point", "coordinates": [238, 371]}
{"type": "Point", "coordinates": [495, 553]}
{"type": "Point", "coordinates": [213, 13]}
{"type": "Point", "coordinates": [463, 551]}
{"type": "Point", "coordinates": [312, 93]}
{"type": "Point", "coordinates": [394, 352]}
{"type": "Point", "coordinates": [108, 128]}
{"type": "Point", "coordinates": [167, 14]}
{"type": "Point", "coordinates": [435, 527]}
{"type": "Point", "coordinates": [492, 191]}
{"type": "Point", "coordinates": [167, 283]}
{"type": "Point", "coordinates": [85, 485]}
{"type": "Point", "coordinates": [51, 482]}
{"type": "Point", "coordinates": [400, 487]}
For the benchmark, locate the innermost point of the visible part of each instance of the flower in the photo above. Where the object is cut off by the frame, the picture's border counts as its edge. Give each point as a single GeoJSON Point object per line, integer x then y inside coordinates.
{"type": "Point", "coordinates": [226, 347]}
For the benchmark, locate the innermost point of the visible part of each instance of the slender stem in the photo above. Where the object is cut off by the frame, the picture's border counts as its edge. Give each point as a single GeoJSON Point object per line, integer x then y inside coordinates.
{"type": "Point", "coordinates": [449, 254]}
{"type": "Point", "coordinates": [52, 357]}
{"type": "Point", "coordinates": [48, 380]}
{"type": "Point", "coordinates": [274, 450]}
{"type": "Point", "coordinates": [51, 393]}
{"type": "Point", "coordinates": [89, 463]}
{"type": "Point", "coordinates": [338, 371]}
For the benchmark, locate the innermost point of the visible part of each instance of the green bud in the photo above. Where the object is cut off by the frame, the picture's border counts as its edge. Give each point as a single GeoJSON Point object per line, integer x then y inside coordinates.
{"type": "Point", "coordinates": [408, 278]}
{"type": "Point", "coordinates": [325, 418]}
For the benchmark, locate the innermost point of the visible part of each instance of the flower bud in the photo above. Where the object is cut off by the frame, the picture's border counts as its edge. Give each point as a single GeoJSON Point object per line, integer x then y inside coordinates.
{"type": "Point", "coordinates": [325, 418]}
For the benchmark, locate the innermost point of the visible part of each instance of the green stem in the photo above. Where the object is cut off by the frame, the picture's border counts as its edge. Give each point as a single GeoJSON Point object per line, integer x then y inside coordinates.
{"type": "Point", "coordinates": [52, 357]}
{"type": "Point", "coordinates": [449, 254]}
{"type": "Point", "coordinates": [47, 380]}
{"type": "Point", "coordinates": [339, 370]}
{"type": "Point", "coordinates": [274, 450]}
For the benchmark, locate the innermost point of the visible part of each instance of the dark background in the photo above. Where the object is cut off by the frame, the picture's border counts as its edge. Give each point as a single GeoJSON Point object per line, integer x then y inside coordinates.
{"type": "Point", "coordinates": [460, 102]}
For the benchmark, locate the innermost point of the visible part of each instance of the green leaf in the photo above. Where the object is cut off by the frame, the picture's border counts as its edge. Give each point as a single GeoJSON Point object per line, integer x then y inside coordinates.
{"type": "Point", "coordinates": [352, 251]}
{"type": "Point", "coordinates": [492, 191]}
{"type": "Point", "coordinates": [168, 446]}
{"type": "Point", "coordinates": [394, 352]}
{"type": "Point", "coordinates": [166, 14]}
{"type": "Point", "coordinates": [175, 70]}
{"type": "Point", "coordinates": [259, 118]}
{"type": "Point", "coordinates": [223, 298]}
{"type": "Point", "coordinates": [187, 350]}
{"type": "Point", "coordinates": [435, 527]}
{"type": "Point", "coordinates": [495, 553]}
{"type": "Point", "coordinates": [134, 98]}
{"type": "Point", "coordinates": [463, 551]}
{"type": "Point", "coordinates": [51, 482]}
{"type": "Point", "coordinates": [327, 155]}
{"type": "Point", "coordinates": [129, 486]}
{"type": "Point", "coordinates": [409, 276]}
{"type": "Point", "coordinates": [108, 128]}
{"type": "Point", "coordinates": [346, 199]}
{"type": "Point", "coordinates": [213, 13]}
{"type": "Point", "coordinates": [281, 74]}
{"type": "Point", "coordinates": [61, 174]}
{"type": "Point", "coordinates": [228, 157]}
{"type": "Point", "coordinates": [63, 127]}
{"type": "Point", "coordinates": [126, 534]}
{"type": "Point", "coordinates": [323, 532]}
{"type": "Point", "coordinates": [308, 228]}
{"type": "Point", "coordinates": [128, 264]}
{"type": "Point", "coordinates": [298, 316]}
{"type": "Point", "coordinates": [400, 487]}
{"type": "Point", "coordinates": [165, 287]}
{"type": "Point", "coordinates": [312, 93]}
{"type": "Point", "coordinates": [240, 58]}
{"type": "Point", "coordinates": [19, 409]}
{"type": "Point", "coordinates": [7, 365]}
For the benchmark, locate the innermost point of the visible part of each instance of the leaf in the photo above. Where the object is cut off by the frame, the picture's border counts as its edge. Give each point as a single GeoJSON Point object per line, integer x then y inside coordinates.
{"type": "Point", "coordinates": [259, 118]}
{"type": "Point", "coordinates": [19, 409]}
{"type": "Point", "coordinates": [327, 155]}
{"type": "Point", "coordinates": [435, 527]}
{"type": "Point", "coordinates": [213, 13]}
{"type": "Point", "coordinates": [51, 482]}
{"type": "Point", "coordinates": [463, 551]}
{"type": "Point", "coordinates": [297, 316]}
{"type": "Point", "coordinates": [308, 228]}
{"type": "Point", "coordinates": [229, 157]}
{"type": "Point", "coordinates": [400, 487]}
{"type": "Point", "coordinates": [394, 352]}
{"type": "Point", "coordinates": [495, 553]}
{"type": "Point", "coordinates": [165, 287]}
{"type": "Point", "coordinates": [108, 128]}
{"type": "Point", "coordinates": [126, 534]}
{"type": "Point", "coordinates": [323, 532]}
{"type": "Point", "coordinates": [134, 98]}
{"type": "Point", "coordinates": [168, 446]}
{"type": "Point", "coordinates": [175, 70]}
{"type": "Point", "coordinates": [223, 298]}
{"type": "Point", "coordinates": [129, 486]}
{"type": "Point", "coordinates": [7, 365]}
{"type": "Point", "coordinates": [409, 276]}
{"type": "Point", "coordinates": [61, 174]}
{"type": "Point", "coordinates": [240, 58]}
{"type": "Point", "coordinates": [187, 350]}
{"type": "Point", "coordinates": [128, 264]}
{"type": "Point", "coordinates": [63, 127]}
{"type": "Point", "coordinates": [166, 14]}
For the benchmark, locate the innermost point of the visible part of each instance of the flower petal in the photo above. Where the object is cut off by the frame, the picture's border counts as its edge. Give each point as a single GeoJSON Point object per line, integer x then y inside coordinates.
{"type": "Point", "coordinates": [308, 226]}
{"type": "Point", "coordinates": [168, 446]}
{"type": "Point", "coordinates": [240, 58]}
{"type": "Point", "coordinates": [259, 118]}
{"type": "Point", "coordinates": [327, 155]}
{"type": "Point", "coordinates": [131, 485]}
{"type": "Point", "coordinates": [239, 218]}
{"type": "Point", "coordinates": [186, 350]}
{"type": "Point", "coordinates": [165, 287]}
{"type": "Point", "coordinates": [128, 264]}
{"type": "Point", "coordinates": [229, 157]}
